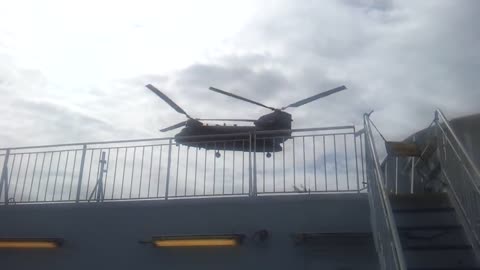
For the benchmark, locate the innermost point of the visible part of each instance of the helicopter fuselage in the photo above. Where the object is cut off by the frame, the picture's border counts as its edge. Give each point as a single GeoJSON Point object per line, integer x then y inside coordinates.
{"type": "Point", "coordinates": [268, 133]}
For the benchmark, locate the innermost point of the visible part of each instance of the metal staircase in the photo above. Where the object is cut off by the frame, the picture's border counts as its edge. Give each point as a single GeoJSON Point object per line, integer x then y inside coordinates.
{"type": "Point", "coordinates": [430, 234]}
{"type": "Point", "coordinates": [417, 227]}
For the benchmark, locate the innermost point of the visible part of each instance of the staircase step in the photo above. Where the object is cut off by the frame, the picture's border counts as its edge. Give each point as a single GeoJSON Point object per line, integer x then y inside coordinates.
{"type": "Point", "coordinates": [444, 268]}
{"type": "Point", "coordinates": [430, 234]}
{"type": "Point", "coordinates": [423, 210]}
{"type": "Point", "coordinates": [420, 196]}
{"type": "Point", "coordinates": [419, 201]}
{"type": "Point", "coordinates": [424, 218]}
{"type": "Point", "coordinates": [438, 247]}
{"type": "Point", "coordinates": [429, 228]}
{"type": "Point", "coordinates": [440, 258]}
{"type": "Point", "coordinates": [421, 238]}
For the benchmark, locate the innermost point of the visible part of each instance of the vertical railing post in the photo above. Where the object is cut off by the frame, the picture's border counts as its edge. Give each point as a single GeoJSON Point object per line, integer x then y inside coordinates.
{"type": "Point", "coordinates": [412, 176]}
{"type": "Point", "coordinates": [169, 162]}
{"type": "Point", "coordinates": [356, 156]}
{"type": "Point", "coordinates": [100, 192]}
{"type": "Point", "coordinates": [386, 173]}
{"type": "Point", "coordinates": [254, 178]}
{"type": "Point", "coordinates": [80, 176]}
{"type": "Point", "coordinates": [396, 175]}
{"type": "Point", "coordinates": [4, 176]}
{"type": "Point", "coordinates": [412, 173]}
{"type": "Point", "coordinates": [250, 168]}
{"type": "Point", "coordinates": [437, 134]}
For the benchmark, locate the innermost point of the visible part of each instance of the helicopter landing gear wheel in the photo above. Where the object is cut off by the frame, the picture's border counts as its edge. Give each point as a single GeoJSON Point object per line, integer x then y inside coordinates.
{"type": "Point", "coordinates": [217, 154]}
{"type": "Point", "coordinates": [269, 155]}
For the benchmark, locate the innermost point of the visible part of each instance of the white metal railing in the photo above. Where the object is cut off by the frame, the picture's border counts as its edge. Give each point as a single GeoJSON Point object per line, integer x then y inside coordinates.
{"type": "Point", "coordinates": [461, 174]}
{"type": "Point", "coordinates": [314, 160]}
{"type": "Point", "coordinates": [413, 174]}
{"type": "Point", "coordinates": [387, 240]}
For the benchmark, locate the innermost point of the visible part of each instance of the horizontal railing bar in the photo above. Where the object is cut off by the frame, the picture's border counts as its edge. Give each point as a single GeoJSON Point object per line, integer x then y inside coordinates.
{"type": "Point", "coordinates": [260, 138]}
{"type": "Point", "coordinates": [282, 193]}
{"type": "Point", "coordinates": [312, 135]}
{"type": "Point", "coordinates": [39, 202]}
{"type": "Point", "coordinates": [160, 139]}
{"type": "Point", "coordinates": [215, 141]}
{"type": "Point", "coordinates": [246, 134]}
{"type": "Point", "coordinates": [310, 192]}
{"type": "Point", "coordinates": [304, 136]}
{"type": "Point", "coordinates": [135, 199]}
{"type": "Point", "coordinates": [306, 129]}
{"type": "Point", "coordinates": [207, 196]}
{"type": "Point", "coordinates": [125, 146]}
{"type": "Point", "coordinates": [87, 143]}
{"type": "Point", "coordinates": [45, 152]}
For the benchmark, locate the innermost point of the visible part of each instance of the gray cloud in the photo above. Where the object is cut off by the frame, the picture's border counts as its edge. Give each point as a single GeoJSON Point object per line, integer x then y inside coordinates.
{"type": "Point", "coordinates": [32, 113]}
{"type": "Point", "coordinates": [242, 77]}
{"type": "Point", "coordinates": [401, 58]}
{"type": "Point", "coordinates": [40, 121]}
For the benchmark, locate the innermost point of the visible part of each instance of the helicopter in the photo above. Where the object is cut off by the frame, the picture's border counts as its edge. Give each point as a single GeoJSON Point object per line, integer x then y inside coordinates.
{"type": "Point", "coordinates": [266, 135]}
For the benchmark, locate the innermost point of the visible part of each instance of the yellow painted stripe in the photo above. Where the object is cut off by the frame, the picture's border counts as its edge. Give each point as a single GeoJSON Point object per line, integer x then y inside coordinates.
{"type": "Point", "coordinates": [27, 244]}
{"type": "Point", "coordinates": [195, 242]}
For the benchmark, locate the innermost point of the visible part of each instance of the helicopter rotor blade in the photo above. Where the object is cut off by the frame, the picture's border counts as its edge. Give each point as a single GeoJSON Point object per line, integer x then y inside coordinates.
{"type": "Point", "coordinates": [239, 97]}
{"type": "Point", "coordinates": [315, 97]}
{"type": "Point", "coordinates": [181, 124]}
{"type": "Point", "coordinates": [167, 99]}
{"type": "Point", "coordinates": [228, 120]}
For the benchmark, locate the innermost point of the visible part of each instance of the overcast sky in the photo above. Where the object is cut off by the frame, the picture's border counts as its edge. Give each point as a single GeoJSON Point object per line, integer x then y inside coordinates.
{"type": "Point", "coordinates": [75, 70]}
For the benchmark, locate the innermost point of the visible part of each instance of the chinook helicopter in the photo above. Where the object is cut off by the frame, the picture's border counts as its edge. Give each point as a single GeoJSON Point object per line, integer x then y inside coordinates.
{"type": "Point", "coordinates": [276, 126]}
